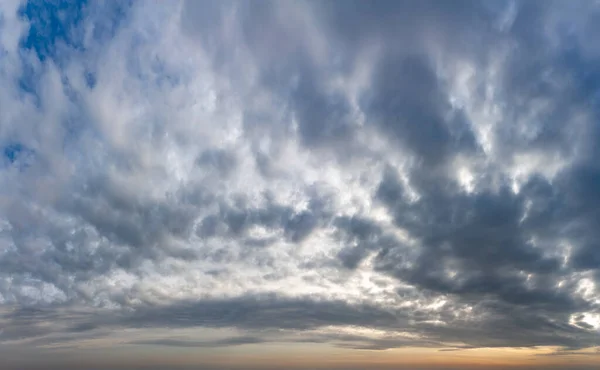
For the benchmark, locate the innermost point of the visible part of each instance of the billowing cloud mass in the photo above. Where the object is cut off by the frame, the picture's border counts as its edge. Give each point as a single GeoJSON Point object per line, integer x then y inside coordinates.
{"type": "Point", "coordinates": [370, 175]}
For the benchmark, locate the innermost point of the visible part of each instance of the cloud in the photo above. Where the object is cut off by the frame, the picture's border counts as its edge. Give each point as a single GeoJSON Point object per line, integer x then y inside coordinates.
{"type": "Point", "coordinates": [423, 170]}
{"type": "Point", "coordinates": [235, 341]}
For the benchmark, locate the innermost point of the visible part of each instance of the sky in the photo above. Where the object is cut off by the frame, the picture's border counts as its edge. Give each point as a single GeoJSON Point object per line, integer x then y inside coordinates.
{"type": "Point", "coordinates": [299, 184]}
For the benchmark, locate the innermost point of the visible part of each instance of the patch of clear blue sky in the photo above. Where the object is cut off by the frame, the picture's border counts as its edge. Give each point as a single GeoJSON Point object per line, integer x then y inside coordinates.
{"type": "Point", "coordinates": [52, 23]}
{"type": "Point", "coordinates": [12, 152]}
{"type": "Point", "coordinates": [56, 32]}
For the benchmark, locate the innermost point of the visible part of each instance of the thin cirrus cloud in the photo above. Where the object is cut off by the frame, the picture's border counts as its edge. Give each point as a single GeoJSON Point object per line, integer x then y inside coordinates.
{"type": "Point", "coordinates": [358, 175]}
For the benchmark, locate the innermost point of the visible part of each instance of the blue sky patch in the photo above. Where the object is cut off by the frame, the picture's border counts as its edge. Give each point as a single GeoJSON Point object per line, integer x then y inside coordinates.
{"type": "Point", "coordinates": [52, 23]}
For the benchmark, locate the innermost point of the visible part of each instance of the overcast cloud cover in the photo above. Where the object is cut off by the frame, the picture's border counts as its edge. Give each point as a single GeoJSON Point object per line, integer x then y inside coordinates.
{"type": "Point", "coordinates": [370, 175]}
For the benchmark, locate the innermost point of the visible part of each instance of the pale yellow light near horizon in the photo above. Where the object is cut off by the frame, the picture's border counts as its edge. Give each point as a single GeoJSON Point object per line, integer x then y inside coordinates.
{"type": "Point", "coordinates": [318, 356]}
{"type": "Point", "coordinates": [118, 350]}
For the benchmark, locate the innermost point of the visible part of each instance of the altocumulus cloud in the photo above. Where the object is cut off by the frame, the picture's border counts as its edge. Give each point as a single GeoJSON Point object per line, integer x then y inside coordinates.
{"type": "Point", "coordinates": [368, 174]}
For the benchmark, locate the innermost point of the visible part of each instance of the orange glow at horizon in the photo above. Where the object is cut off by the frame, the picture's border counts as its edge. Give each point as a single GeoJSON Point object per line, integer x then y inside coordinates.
{"type": "Point", "coordinates": [318, 356]}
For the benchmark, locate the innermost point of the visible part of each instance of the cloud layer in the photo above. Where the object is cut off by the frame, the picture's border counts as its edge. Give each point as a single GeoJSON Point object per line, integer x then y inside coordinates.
{"type": "Point", "coordinates": [406, 173]}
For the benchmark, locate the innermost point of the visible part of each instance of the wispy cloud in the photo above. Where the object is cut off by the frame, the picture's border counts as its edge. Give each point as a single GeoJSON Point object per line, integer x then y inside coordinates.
{"type": "Point", "coordinates": [425, 170]}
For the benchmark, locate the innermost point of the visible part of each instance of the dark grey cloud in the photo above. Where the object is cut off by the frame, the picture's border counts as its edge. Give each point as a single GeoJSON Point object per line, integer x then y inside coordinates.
{"type": "Point", "coordinates": [234, 341]}
{"type": "Point", "coordinates": [498, 324]}
{"type": "Point", "coordinates": [409, 102]}
{"type": "Point", "coordinates": [262, 312]}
